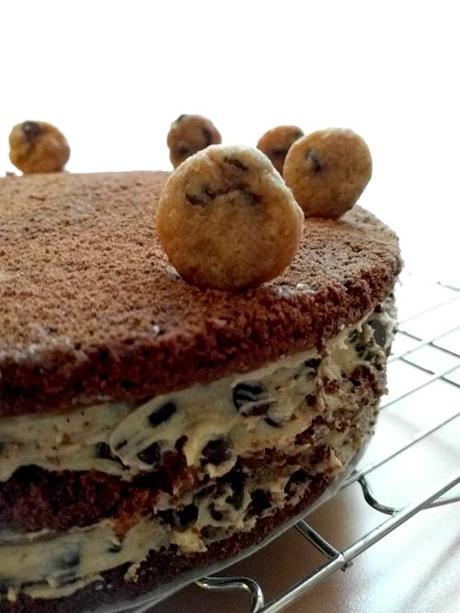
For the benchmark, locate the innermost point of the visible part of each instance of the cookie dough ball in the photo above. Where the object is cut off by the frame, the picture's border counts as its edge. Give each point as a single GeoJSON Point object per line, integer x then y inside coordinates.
{"type": "Point", "coordinates": [37, 146]}
{"type": "Point", "coordinates": [276, 143]}
{"type": "Point", "coordinates": [226, 219]}
{"type": "Point", "coordinates": [327, 171]}
{"type": "Point", "coordinates": [188, 135]}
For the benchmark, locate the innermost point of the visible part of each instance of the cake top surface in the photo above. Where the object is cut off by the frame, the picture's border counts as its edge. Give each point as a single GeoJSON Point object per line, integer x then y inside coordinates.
{"type": "Point", "coordinates": [91, 310]}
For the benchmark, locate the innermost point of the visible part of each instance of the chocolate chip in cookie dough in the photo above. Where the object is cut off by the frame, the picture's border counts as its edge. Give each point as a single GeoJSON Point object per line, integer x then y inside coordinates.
{"type": "Point", "coordinates": [314, 161]}
{"type": "Point", "coordinates": [236, 163]}
{"type": "Point", "coordinates": [162, 413]}
{"type": "Point", "coordinates": [66, 563]}
{"type": "Point", "coordinates": [312, 366]}
{"type": "Point", "coordinates": [271, 422]}
{"type": "Point", "coordinates": [251, 398]}
{"type": "Point", "coordinates": [30, 129]}
{"type": "Point", "coordinates": [260, 501]}
{"type": "Point", "coordinates": [187, 515]}
{"type": "Point", "coordinates": [104, 452]}
{"type": "Point", "coordinates": [215, 514]}
{"type": "Point", "coordinates": [150, 455]}
{"type": "Point", "coordinates": [299, 477]}
{"type": "Point", "coordinates": [217, 451]}
{"type": "Point", "coordinates": [379, 331]}
{"type": "Point", "coordinates": [236, 478]}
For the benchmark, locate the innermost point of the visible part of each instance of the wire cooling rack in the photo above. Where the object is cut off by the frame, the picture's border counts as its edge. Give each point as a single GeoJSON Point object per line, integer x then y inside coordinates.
{"type": "Point", "coordinates": [427, 346]}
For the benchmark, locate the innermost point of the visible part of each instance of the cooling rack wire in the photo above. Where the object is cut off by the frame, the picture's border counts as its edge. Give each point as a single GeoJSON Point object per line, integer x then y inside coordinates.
{"type": "Point", "coordinates": [428, 344]}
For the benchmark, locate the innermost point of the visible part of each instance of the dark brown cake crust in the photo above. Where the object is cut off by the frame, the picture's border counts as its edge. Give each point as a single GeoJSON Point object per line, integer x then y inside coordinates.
{"type": "Point", "coordinates": [162, 567]}
{"type": "Point", "coordinates": [91, 311]}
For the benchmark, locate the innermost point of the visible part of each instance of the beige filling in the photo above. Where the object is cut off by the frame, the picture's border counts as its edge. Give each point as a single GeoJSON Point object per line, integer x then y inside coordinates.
{"type": "Point", "coordinates": [57, 565]}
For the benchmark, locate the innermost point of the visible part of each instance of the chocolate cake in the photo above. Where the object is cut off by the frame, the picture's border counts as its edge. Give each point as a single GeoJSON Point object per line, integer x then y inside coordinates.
{"type": "Point", "coordinates": [148, 427]}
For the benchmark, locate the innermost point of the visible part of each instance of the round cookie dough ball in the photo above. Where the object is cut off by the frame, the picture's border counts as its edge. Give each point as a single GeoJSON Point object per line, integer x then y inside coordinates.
{"type": "Point", "coordinates": [327, 171]}
{"type": "Point", "coordinates": [276, 143]}
{"type": "Point", "coordinates": [37, 146]}
{"type": "Point", "coordinates": [188, 135]}
{"type": "Point", "coordinates": [226, 219]}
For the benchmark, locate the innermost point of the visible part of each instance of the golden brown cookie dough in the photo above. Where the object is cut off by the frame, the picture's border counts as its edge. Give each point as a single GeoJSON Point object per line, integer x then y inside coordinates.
{"type": "Point", "coordinates": [226, 219]}
{"type": "Point", "coordinates": [37, 146]}
{"type": "Point", "coordinates": [276, 143]}
{"type": "Point", "coordinates": [188, 135]}
{"type": "Point", "coordinates": [327, 171]}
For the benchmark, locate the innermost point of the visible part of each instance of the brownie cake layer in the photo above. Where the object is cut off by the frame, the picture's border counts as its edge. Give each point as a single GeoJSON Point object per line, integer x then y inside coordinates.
{"type": "Point", "coordinates": [92, 312]}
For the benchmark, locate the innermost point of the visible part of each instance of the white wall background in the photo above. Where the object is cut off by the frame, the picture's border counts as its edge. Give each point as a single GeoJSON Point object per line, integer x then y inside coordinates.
{"type": "Point", "coordinates": [113, 75]}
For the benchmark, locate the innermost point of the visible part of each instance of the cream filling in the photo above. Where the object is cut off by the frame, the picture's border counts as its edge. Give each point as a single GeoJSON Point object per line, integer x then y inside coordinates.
{"type": "Point", "coordinates": [204, 413]}
{"type": "Point", "coordinates": [44, 566]}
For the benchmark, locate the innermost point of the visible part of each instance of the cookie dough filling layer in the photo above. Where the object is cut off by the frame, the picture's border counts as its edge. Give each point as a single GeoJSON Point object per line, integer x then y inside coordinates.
{"type": "Point", "coordinates": [211, 424]}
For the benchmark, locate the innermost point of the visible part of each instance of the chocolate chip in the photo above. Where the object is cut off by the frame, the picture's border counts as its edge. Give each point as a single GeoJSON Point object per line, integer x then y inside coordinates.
{"type": "Point", "coordinates": [215, 514]}
{"type": "Point", "coordinates": [150, 455]}
{"type": "Point", "coordinates": [272, 423]}
{"type": "Point", "coordinates": [313, 161]}
{"type": "Point", "coordinates": [209, 192]}
{"type": "Point", "coordinates": [312, 366]}
{"type": "Point", "coordinates": [298, 478]}
{"type": "Point", "coordinates": [207, 134]}
{"type": "Point", "coordinates": [236, 163]}
{"type": "Point", "coordinates": [260, 501]}
{"type": "Point", "coordinates": [251, 197]}
{"type": "Point", "coordinates": [310, 399]}
{"type": "Point", "coordinates": [236, 479]}
{"type": "Point", "coordinates": [104, 452]}
{"type": "Point", "coordinates": [182, 150]}
{"type": "Point", "coordinates": [187, 515]}
{"type": "Point", "coordinates": [120, 445]}
{"type": "Point", "coordinates": [162, 413]}
{"type": "Point", "coordinates": [353, 336]}
{"type": "Point", "coordinates": [361, 350]}
{"type": "Point", "coordinates": [30, 129]}
{"type": "Point", "coordinates": [68, 557]}
{"type": "Point", "coordinates": [251, 398]}
{"type": "Point", "coordinates": [379, 330]}
{"type": "Point", "coordinates": [217, 451]}
{"type": "Point", "coordinates": [279, 152]}
{"type": "Point", "coordinates": [236, 499]}
{"type": "Point", "coordinates": [195, 199]}
{"type": "Point", "coordinates": [179, 445]}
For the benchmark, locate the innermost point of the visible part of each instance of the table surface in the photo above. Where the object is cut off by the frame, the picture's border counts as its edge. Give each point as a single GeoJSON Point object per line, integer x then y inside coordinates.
{"type": "Point", "coordinates": [416, 567]}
